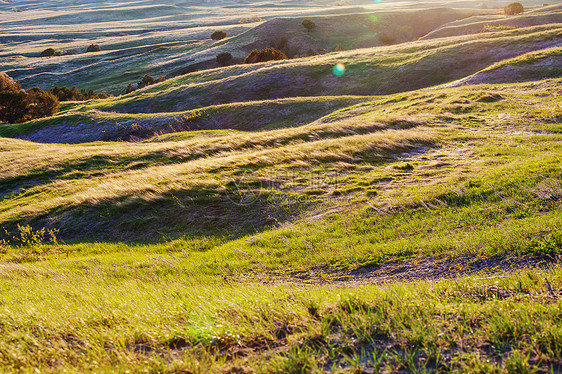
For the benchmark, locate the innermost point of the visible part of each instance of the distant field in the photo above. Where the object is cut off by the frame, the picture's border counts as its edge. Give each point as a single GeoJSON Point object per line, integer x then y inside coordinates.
{"type": "Point", "coordinates": [172, 39]}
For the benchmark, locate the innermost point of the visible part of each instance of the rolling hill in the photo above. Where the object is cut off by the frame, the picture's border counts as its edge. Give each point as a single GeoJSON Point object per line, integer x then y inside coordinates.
{"type": "Point", "coordinates": [404, 216]}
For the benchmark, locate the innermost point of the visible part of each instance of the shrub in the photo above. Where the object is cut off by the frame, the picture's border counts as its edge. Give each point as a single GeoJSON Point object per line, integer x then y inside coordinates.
{"type": "Point", "coordinates": [252, 19]}
{"type": "Point", "coordinates": [13, 106]}
{"type": "Point", "coordinates": [513, 8]}
{"type": "Point", "coordinates": [41, 104]}
{"type": "Point", "coordinates": [72, 94]}
{"type": "Point", "coordinates": [8, 84]}
{"type": "Point", "coordinates": [48, 52]}
{"type": "Point", "coordinates": [17, 106]}
{"type": "Point", "coordinates": [223, 59]}
{"type": "Point", "coordinates": [269, 54]}
{"type": "Point", "coordinates": [147, 80]}
{"type": "Point", "coordinates": [309, 24]}
{"type": "Point", "coordinates": [93, 48]}
{"type": "Point", "coordinates": [218, 35]}
{"type": "Point", "coordinates": [21, 106]}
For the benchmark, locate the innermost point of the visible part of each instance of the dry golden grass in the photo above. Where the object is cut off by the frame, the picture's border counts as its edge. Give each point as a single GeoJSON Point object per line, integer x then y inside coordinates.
{"type": "Point", "coordinates": [206, 153]}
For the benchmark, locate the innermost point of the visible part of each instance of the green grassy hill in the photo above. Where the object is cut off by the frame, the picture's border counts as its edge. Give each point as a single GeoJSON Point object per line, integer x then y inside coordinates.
{"type": "Point", "coordinates": [296, 92]}
{"type": "Point", "coordinates": [374, 71]}
{"type": "Point", "coordinates": [274, 218]}
{"type": "Point", "coordinates": [174, 39]}
{"type": "Point", "coordinates": [415, 186]}
{"type": "Point", "coordinates": [341, 31]}
{"type": "Point", "coordinates": [530, 66]}
{"type": "Point", "coordinates": [497, 22]}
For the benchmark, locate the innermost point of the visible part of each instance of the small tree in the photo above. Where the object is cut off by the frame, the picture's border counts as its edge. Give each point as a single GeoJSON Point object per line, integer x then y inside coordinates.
{"type": "Point", "coordinates": [309, 25]}
{"type": "Point", "coordinates": [269, 54]}
{"type": "Point", "coordinates": [218, 35]}
{"type": "Point", "coordinates": [148, 79]}
{"type": "Point", "coordinates": [72, 94]}
{"type": "Point", "coordinates": [8, 84]}
{"type": "Point", "coordinates": [41, 104]}
{"type": "Point", "coordinates": [93, 48]}
{"type": "Point", "coordinates": [48, 52]}
{"type": "Point", "coordinates": [513, 8]}
{"type": "Point", "coordinates": [13, 106]}
{"type": "Point", "coordinates": [18, 106]}
{"type": "Point", "coordinates": [130, 88]}
{"type": "Point", "coordinates": [224, 59]}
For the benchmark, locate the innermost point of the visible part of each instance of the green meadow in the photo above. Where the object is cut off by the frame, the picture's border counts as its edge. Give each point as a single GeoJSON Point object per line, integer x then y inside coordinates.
{"type": "Point", "coordinates": [405, 217]}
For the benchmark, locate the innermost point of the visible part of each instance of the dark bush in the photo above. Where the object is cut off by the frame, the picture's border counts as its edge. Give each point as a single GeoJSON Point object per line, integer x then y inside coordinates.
{"type": "Point", "coordinates": [513, 8]}
{"type": "Point", "coordinates": [8, 84]}
{"type": "Point", "coordinates": [72, 94]}
{"type": "Point", "coordinates": [147, 80]}
{"type": "Point", "coordinates": [224, 59]}
{"type": "Point", "coordinates": [17, 106]}
{"type": "Point", "coordinates": [269, 54]}
{"type": "Point", "coordinates": [48, 52]}
{"type": "Point", "coordinates": [309, 24]}
{"type": "Point", "coordinates": [218, 35]}
{"type": "Point", "coordinates": [93, 48]}
{"type": "Point", "coordinates": [13, 106]}
{"type": "Point", "coordinates": [41, 104]}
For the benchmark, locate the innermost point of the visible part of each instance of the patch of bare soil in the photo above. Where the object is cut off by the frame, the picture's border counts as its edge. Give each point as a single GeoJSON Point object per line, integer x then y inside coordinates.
{"type": "Point", "coordinates": [429, 268]}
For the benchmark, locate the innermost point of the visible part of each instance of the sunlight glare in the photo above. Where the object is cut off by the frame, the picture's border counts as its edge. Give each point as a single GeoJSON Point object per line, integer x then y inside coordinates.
{"type": "Point", "coordinates": [339, 69]}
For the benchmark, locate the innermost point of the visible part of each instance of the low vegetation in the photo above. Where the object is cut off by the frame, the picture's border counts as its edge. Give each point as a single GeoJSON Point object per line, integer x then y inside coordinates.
{"type": "Point", "coordinates": [513, 9]}
{"type": "Point", "coordinates": [387, 209]}
{"type": "Point", "coordinates": [269, 54]}
{"type": "Point", "coordinates": [93, 48]}
{"type": "Point", "coordinates": [17, 105]}
{"type": "Point", "coordinates": [147, 80]}
{"type": "Point", "coordinates": [219, 35]}
{"type": "Point", "coordinates": [74, 94]}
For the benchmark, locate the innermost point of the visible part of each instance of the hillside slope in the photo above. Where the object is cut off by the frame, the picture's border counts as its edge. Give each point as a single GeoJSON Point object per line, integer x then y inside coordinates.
{"type": "Point", "coordinates": [174, 39]}
{"type": "Point", "coordinates": [80, 125]}
{"type": "Point", "coordinates": [373, 71]}
{"type": "Point", "coordinates": [494, 22]}
{"type": "Point", "coordinates": [71, 187]}
{"type": "Point", "coordinates": [531, 66]}
{"type": "Point", "coordinates": [404, 217]}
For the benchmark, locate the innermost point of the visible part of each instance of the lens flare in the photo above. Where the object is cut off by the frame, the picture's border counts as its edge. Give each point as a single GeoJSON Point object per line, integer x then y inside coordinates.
{"type": "Point", "coordinates": [339, 69]}
{"type": "Point", "coordinates": [378, 1]}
